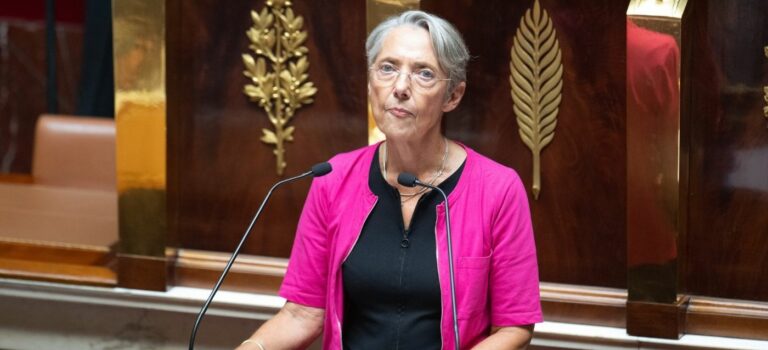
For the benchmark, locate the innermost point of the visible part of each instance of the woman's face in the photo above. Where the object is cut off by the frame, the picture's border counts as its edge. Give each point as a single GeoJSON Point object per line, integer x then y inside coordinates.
{"type": "Point", "coordinates": [404, 109]}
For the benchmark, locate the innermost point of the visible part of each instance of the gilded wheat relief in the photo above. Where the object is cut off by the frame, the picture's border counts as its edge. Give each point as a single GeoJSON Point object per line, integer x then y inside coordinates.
{"type": "Point", "coordinates": [537, 81]}
{"type": "Point", "coordinates": [278, 69]}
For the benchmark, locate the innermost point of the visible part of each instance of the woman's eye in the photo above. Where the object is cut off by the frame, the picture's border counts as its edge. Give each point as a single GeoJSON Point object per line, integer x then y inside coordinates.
{"type": "Point", "coordinates": [387, 68]}
{"type": "Point", "coordinates": [426, 74]}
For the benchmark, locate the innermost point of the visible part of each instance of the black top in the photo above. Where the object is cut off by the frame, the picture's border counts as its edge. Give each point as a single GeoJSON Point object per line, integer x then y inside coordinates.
{"type": "Point", "coordinates": [391, 287]}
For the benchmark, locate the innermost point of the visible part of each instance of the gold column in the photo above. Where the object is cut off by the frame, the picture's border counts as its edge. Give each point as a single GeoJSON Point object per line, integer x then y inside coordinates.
{"type": "Point", "coordinates": [377, 11]}
{"type": "Point", "coordinates": [140, 117]}
{"type": "Point", "coordinates": [655, 178]}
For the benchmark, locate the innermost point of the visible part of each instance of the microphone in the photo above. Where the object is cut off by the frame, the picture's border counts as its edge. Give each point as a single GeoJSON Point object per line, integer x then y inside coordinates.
{"type": "Point", "coordinates": [410, 180]}
{"type": "Point", "coordinates": [320, 169]}
{"type": "Point", "coordinates": [317, 170]}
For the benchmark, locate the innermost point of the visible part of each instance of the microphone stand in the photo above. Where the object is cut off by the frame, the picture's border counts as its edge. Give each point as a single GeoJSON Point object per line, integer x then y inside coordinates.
{"type": "Point", "coordinates": [410, 180]}
{"type": "Point", "coordinates": [317, 170]}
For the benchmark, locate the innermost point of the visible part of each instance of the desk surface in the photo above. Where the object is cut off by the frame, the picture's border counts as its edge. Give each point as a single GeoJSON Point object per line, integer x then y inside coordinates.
{"type": "Point", "coordinates": [30, 212]}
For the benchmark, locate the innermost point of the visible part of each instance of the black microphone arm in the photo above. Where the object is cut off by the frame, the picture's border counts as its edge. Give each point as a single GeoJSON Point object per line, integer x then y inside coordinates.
{"type": "Point", "coordinates": [316, 171]}
{"type": "Point", "coordinates": [407, 179]}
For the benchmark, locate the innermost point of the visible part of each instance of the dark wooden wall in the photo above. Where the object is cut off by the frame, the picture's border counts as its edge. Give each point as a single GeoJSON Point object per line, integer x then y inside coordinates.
{"type": "Point", "coordinates": [727, 243]}
{"type": "Point", "coordinates": [579, 218]}
{"type": "Point", "coordinates": [223, 170]}
{"type": "Point", "coordinates": [219, 170]}
{"type": "Point", "coordinates": [23, 84]}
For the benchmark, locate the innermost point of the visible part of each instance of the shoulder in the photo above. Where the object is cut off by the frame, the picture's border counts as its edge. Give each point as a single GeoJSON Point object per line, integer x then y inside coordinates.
{"type": "Point", "coordinates": [496, 185]}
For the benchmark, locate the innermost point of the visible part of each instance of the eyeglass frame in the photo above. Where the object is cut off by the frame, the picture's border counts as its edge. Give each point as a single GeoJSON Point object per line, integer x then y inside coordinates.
{"type": "Point", "coordinates": [377, 69]}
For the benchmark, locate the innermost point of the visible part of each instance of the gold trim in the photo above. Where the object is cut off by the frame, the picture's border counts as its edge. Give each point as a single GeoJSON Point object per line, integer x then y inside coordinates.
{"type": "Point", "coordinates": [208, 260]}
{"type": "Point", "coordinates": [140, 121]}
{"type": "Point", "coordinates": [537, 81]}
{"type": "Point", "coordinates": [399, 3]}
{"type": "Point", "coordinates": [656, 150]}
{"type": "Point", "coordinates": [140, 100]}
{"type": "Point", "coordinates": [286, 88]}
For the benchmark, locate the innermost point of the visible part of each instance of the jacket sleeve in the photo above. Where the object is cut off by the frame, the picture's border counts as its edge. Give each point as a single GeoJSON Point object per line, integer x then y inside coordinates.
{"type": "Point", "coordinates": [514, 276]}
{"type": "Point", "coordinates": [306, 279]}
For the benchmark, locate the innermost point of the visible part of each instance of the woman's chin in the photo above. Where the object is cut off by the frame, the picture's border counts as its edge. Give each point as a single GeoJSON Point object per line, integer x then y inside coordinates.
{"type": "Point", "coordinates": [399, 135]}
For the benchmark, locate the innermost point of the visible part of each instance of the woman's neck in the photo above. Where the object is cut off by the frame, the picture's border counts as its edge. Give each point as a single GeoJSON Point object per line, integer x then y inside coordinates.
{"type": "Point", "coordinates": [423, 158]}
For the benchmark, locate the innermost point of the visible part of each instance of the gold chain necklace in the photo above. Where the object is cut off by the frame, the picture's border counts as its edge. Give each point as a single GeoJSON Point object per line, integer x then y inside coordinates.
{"type": "Point", "coordinates": [408, 196]}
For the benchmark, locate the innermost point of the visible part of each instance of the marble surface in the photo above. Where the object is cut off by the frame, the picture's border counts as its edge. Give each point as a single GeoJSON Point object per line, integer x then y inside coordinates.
{"type": "Point", "coordinates": [41, 316]}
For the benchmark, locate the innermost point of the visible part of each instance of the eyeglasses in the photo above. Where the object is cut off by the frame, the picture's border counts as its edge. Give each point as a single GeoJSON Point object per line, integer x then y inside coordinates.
{"type": "Point", "coordinates": [387, 74]}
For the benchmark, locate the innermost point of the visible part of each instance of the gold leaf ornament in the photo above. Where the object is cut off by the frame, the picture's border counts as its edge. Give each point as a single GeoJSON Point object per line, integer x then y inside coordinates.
{"type": "Point", "coordinates": [536, 79]}
{"type": "Point", "coordinates": [277, 69]}
{"type": "Point", "coordinates": [765, 89]}
{"type": "Point", "coordinates": [765, 109]}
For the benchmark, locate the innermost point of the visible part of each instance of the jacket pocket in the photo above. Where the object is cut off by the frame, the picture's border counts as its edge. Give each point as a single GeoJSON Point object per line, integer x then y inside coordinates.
{"type": "Point", "coordinates": [472, 278]}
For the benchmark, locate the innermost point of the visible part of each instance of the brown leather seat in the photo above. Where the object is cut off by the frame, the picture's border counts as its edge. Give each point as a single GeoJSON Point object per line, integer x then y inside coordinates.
{"type": "Point", "coordinates": [73, 151]}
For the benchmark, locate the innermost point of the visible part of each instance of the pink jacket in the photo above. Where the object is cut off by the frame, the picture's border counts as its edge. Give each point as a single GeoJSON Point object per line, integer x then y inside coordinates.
{"type": "Point", "coordinates": [497, 281]}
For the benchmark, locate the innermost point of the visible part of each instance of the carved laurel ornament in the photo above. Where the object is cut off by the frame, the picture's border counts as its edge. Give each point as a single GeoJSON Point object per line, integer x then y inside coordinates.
{"type": "Point", "coordinates": [765, 89]}
{"type": "Point", "coordinates": [537, 81]}
{"type": "Point", "coordinates": [278, 71]}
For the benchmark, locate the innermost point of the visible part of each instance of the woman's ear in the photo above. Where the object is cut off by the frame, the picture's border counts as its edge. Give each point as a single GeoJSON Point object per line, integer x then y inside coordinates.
{"type": "Point", "coordinates": [455, 97]}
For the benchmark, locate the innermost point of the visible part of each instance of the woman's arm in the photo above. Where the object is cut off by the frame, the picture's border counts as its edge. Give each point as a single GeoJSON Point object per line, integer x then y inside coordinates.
{"type": "Point", "coordinates": [514, 280]}
{"type": "Point", "coordinates": [294, 327]}
{"type": "Point", "coordinates": [507, 338]}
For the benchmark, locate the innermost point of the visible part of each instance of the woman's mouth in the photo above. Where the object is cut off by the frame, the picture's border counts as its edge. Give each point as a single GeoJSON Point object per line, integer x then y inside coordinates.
{"type": "Point", "coordinates": [399, 112]}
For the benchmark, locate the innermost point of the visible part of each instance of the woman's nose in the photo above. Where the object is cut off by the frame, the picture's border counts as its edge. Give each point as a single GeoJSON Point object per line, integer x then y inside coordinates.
{"type": "Point", "coordinates": [402, 87]}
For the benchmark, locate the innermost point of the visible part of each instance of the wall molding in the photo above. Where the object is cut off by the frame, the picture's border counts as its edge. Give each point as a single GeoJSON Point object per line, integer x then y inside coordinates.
{"type": "Point", "coordinates": [258, 276]}
{"type": "Point", "coordinates": [54, 262]}
{"type": "Point", "coordinates": [727, 318]}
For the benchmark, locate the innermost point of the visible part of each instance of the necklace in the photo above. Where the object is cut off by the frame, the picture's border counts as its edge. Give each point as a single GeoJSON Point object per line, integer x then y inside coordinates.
{"type": "Point", "coordinates": [408, 196]}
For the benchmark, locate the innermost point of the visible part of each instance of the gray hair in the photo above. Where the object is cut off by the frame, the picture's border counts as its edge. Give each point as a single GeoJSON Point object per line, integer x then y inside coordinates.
{"type": "Point", "coordinates": [452, 54]}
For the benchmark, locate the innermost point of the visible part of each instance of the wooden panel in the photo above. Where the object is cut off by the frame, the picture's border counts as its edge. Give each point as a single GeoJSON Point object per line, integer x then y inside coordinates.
{"type": "Point", "coordinates": [248, 274]}
{"type": "Point", "coordinates": [728, 226]}
{"type": "Point", "coordinates": [57, 272]}
{"type": "Point", "coordinates": [144, 272]}
{"type": "Point", "coordinates": [71, 216]}
{"type": "Point", "coordinates": [583, 305]}
{"type": "Point", "coordinates": [727, 318]}
{"type": "Point", "coordinates": [51, 252]}
{"type": "Point", "coordinates": [22, 80]}
{"type": "Point", "coordinates": [219, 170]}
{"type": "Point", "coordinates": [16, 178]}
{"type": "Point", "coordinates": [57, 263]}
{"type": "Point", "coordinates": [658, 320]}
{"type": "Point", "coordinates": [579, 218]}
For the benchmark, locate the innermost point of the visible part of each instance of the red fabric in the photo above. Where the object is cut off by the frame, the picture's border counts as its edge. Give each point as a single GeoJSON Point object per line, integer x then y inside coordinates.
{"type": "Point", "coordinates": [653, 108]}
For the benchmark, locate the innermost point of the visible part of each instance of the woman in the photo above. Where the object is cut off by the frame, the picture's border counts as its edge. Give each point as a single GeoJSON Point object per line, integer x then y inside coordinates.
{"type": "Point", "coordinates": [369, 266]}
